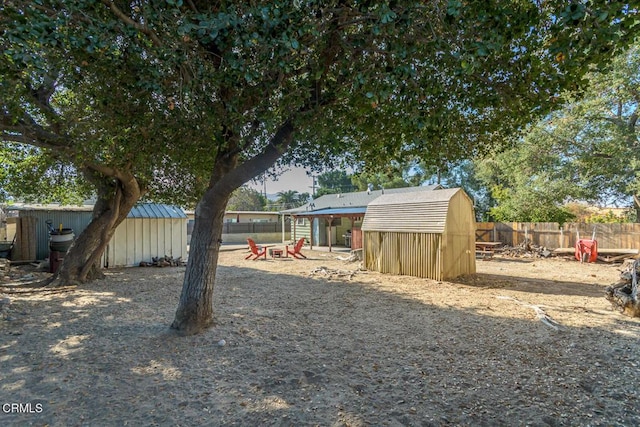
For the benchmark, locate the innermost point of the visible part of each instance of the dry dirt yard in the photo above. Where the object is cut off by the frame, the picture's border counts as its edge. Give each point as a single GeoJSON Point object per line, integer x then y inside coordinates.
{"type": "Point", "coordinates": [303, 348]}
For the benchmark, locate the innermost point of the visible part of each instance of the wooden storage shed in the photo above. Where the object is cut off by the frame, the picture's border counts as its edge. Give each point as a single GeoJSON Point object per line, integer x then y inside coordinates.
{"type": "Point", "coordinates": [427, 234]}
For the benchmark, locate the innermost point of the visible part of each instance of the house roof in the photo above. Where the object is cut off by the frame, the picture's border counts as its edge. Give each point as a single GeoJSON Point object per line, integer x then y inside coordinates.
{"type": "Point", "coordinates": [422, 212]}
{"type": "Point", "coordinates": [359, 211]}
{"type": "Point", "coordinates": [359, 199]}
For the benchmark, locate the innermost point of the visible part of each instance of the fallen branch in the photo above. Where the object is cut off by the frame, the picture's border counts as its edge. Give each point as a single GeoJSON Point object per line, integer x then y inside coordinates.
{"type": "Point", "coordinates": [540, 313]}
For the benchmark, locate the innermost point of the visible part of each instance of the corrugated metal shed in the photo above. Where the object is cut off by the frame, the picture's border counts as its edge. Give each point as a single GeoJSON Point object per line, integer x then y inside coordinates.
{"type": "Point", "coordinates": [149, 230]}
{"type": "Point", "coordinates": [154, 210]}
{"type": "Point", "coordinates": [75, 217]}
{"type": "Point", "coordinates": [426, 234]}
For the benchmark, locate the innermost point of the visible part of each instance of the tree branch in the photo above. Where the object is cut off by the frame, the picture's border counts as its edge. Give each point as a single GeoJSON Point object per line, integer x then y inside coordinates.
{"type": "Point", "coordinates": [27, 131]}
{"type": "Point", "coordinates": [262, 161]}
{"type": "Point", "coordinates": [127, 20]}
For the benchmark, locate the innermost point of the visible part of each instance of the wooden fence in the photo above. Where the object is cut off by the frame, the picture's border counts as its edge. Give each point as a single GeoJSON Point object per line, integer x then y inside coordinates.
{"type": "Point", "coordinates": [552, 235]}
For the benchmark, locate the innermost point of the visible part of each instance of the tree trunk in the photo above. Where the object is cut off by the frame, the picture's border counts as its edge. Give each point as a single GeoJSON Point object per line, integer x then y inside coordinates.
{"type": "Point", "coordinates": [116, 197]}
{"type": "Point", "coordinates": [195, 309]}
{"type": "Point", "coordinates": [624, 294]}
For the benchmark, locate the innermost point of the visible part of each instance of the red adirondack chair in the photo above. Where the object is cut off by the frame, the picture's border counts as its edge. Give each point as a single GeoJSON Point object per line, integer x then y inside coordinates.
{"type": "Point", "coordinates": [296, 250]}
{"type": "Point", "coordinates": [256, 251]}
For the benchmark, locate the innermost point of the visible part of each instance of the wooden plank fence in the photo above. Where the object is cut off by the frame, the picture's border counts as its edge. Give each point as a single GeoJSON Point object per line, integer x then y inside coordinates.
{"type": "Point", "coordinates": [551, 235]}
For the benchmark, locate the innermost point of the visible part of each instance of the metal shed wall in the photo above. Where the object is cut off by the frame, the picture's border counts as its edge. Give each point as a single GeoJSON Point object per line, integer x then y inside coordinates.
{"type": "Point", "coordinates": [76, 219]}
{"type": "Point", "coordinates": [428, 235]}
{"type": "Point", "coordinates": [140, 239]}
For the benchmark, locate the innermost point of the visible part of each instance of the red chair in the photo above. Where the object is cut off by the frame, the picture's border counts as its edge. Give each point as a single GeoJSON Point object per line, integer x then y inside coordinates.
{"type": "Point", "coordinates": [296, 250]}
{"type": "Point", "coordinates": [256, 251]}
{"type": "Point", "coordinates": [586, 250]}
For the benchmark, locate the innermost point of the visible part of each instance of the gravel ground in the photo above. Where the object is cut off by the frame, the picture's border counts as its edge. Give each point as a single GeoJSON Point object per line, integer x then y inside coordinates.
{"type": "Point", "coordinates": [320, 342]}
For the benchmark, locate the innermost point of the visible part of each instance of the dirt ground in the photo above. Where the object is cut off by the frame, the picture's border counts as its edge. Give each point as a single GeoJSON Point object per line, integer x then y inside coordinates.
{"type": "Point", "coordinates": [299, 345]}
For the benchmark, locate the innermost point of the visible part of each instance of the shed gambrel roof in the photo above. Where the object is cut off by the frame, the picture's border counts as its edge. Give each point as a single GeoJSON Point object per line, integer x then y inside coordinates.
{"type": "Point", "coordinates": [416, 212]}
{"type": "Point", "coordinates": [358, 199]}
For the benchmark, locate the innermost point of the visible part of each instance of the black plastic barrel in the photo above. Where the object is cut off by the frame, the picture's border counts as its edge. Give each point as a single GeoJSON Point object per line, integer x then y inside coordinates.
{"type": "Point", "coordinates": [60, 246]}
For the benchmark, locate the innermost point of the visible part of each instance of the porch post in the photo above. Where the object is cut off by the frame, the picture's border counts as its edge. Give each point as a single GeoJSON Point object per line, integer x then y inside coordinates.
{"type": "Point", "coordinates": [330, 221]}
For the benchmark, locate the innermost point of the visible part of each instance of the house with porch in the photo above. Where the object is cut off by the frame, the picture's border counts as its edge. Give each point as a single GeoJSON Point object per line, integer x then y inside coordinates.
{"type": "Point", "coordinates": [336, 219]}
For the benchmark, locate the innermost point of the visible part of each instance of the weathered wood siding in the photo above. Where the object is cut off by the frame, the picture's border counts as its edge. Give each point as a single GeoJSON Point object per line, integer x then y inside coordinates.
{"type": "Point", "coordinates": [411, 254]}
{"type": "Point", "coordinates": [552, 235]}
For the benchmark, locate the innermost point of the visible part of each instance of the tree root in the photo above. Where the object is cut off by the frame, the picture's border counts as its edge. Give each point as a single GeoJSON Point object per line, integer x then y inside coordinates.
{"type": "Point", "coordinates": [621, 297]}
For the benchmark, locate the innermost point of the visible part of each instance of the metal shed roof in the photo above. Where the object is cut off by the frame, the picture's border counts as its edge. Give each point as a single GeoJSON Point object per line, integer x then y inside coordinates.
{"type": "Point", "coordinates": [153, 210]}
{"type": "Point", "coordinates": [51, 207]}
{"type": "Point", "coordinates": [141, 210]}
{"type": "Point", "coordinates": [417, 212]}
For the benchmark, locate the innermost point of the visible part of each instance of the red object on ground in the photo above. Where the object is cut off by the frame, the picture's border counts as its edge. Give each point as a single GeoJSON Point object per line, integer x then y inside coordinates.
{"type": "Point", "coordinates": [296, 250]}
{"type": "Point", "coordinates": [587, 250]}
{"type": "Point", "coordinates": [256, 251]}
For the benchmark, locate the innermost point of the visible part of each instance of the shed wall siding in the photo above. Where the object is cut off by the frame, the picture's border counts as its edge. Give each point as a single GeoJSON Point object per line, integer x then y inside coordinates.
{"type": "Point", "coordinates": [69, 219]}
{"type": "Point", "coordinates": [140, 239]}
{"type": "Point", "coordinates": [459, 245]}
{"type": "Point", "coordinates": [411, 254]}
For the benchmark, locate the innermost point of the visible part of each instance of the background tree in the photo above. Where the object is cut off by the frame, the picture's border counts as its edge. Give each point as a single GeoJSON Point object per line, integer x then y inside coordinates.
{"type": "Point", "coordinates": [395, 174]}
{"type": "Point", "coordinates": [244, 85]}
{"type": "Point", "coordinates": [246, 199]}
{"type": "Point", "coordinates": [29, 175]}
{"type": "Point", "coordinates": [334, 182]}
{"type": "Point", "coordinates": [587, 150]}
{"type": "Point", "coordinates": [288, 199]}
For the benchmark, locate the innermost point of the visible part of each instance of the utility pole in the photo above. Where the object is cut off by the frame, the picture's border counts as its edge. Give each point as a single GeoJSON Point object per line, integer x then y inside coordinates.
{"type": "Point", "coordinates": [264, 185]}
{"type": "Point", "coordinates": [313, 186]}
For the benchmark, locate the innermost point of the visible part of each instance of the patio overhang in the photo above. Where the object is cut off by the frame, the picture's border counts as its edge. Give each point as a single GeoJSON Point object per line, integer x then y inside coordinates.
{"type": "Point", "coordinates": [328, 214]}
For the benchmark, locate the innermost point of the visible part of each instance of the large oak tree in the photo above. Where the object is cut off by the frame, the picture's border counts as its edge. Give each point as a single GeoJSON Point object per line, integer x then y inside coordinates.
{"type": "Point", "coordinates": [247, 84]}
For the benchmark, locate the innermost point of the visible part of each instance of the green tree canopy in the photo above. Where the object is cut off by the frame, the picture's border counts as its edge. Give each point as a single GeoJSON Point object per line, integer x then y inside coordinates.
{"type": "Point", "coordinates": [587, 150]}
{"type": "Point", "coordinates": [288, 199]}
